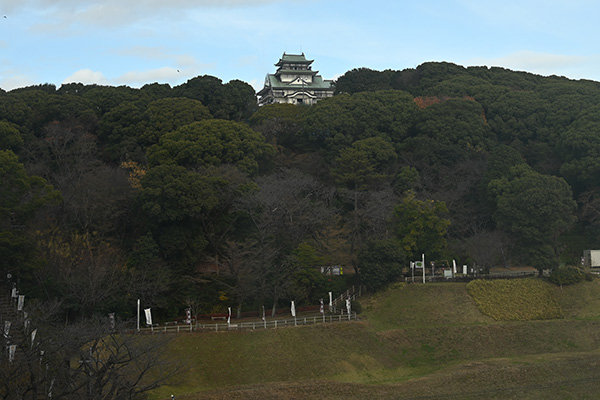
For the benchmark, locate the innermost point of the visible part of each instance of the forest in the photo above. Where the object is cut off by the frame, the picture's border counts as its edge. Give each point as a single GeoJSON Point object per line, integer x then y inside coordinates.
{"type": "Point", "coordinates": [193, 197]}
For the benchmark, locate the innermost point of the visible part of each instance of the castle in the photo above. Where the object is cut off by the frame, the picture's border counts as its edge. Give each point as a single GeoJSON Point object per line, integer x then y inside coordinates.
{"type": "Point", "coordinates": [294, 82]}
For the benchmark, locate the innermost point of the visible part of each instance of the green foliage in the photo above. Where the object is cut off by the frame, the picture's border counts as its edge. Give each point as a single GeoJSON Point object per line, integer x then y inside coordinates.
{"type": "Point", "coordinates": [167, 114]}
{"type": "Point", "coordinates": [22, 194]}
{"type": "Point", "coordinates": [514, 299]}
{"type": "Point", "coordinates": [488, 142]}
{"type": "Point", "coordinates": [235, 100]}
{"type": "Point", "coordinates": [535, 209]}
{"type": "Point", "coordinates": [362, 80]}
{"type": "Point", "coordinates": [580, 148]}
{"type": "Point", "coordinates": [306, 256]}
{"type": "Point", "coordinates": [456, 122]}
{"type": "Point", "coordinates": [280, 112]}
{"type": "Point", "coordinates": [380, 263]}
{"type": "Point", "coordinates": [173, 193]}
{"type": "Point", "coordinates": [279, 123]}
{"type": "Point", "coordinates": [118, 131]}
{"type": "Point", "coordinates": [10, 137]}
{"type": "Point", "coordinates": [309, 285]}
{"type": "Point", "coordinates": [339, 121]}
{"type": "Point", "coordinates": [407, 179]}
{"type": "Point", "coordinates": [354, 169]}
{"type": "Point", "coordinates": [212, 143]}
{"type": "Point", "coordinates": [566, 275]}
{"type": "Point", "coordinates": [420, 226]}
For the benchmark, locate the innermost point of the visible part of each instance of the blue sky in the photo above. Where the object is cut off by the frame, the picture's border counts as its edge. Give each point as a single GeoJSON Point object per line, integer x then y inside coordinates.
{"type": "Point", "coordinates": [134, 42]}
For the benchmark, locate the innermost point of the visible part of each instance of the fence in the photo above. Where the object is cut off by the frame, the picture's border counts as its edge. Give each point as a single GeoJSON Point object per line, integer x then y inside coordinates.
{"type": "Point", "coordinates": [253, 325]}
{"type": "Point", "coordinates": [353, 293]}
{"type": "Point", "coordinates": [469, 278]}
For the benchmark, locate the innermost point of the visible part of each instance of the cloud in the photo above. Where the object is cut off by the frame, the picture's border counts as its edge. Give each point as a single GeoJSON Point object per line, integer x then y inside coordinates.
{"type": "Point", "coordinates": [541, 63]}
{"type": "Point", "coordinates": [87, 77]}
{"type": "Point", "coordinates": [169, 75]}
{"type": "Point", "coordinates": [139, 78]}
{"type": "Point", "coordinates": [61, 14]}
{"type": "Point", "coordinates": [16, 81]}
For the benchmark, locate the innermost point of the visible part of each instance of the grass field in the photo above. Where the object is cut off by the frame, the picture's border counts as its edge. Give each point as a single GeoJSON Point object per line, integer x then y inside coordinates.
{"type": "Point", "coordinates": [415, 342]}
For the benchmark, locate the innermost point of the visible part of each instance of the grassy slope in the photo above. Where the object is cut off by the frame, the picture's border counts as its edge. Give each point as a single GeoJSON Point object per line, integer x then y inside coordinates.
{"type": "Point", "coordinates": [419, 340]}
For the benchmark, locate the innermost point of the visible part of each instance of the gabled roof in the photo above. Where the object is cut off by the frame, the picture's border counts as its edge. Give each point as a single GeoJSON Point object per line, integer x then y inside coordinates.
{"type": "Point", "coordinates": [318, 83]}
{"type": "Point", "coordinates": [293, 58]}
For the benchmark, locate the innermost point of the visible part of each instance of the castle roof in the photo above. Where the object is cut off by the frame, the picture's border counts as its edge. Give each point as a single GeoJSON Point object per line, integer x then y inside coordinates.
{"type": "Point", "coordinates": [293, 58]}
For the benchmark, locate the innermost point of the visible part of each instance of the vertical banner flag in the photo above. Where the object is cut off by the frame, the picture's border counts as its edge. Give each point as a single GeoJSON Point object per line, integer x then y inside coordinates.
{"type": "Point", "coordinates": [14, 293]}
{"type": "Point", "coordinates": [454, 266]}
{"type": "Point", "coordinates": [20, 302]}
{"type": "Point", "coordinates": [138, 315]}
{"type": "Point", "coordinates": [6, 328]}
{"type": "Point", "coordinates": [348, 306]}
{"type": "Point", "coordinates": [229, 315]}
{"type": "Point", "coordinates": [188, 316]}
{"type": "Point", "coordinates": [330, 302]}
{"type": "Point", "coordinates": [51, 386]}
{"type": "Point", "coordinates": [148, 313]}
{"type": "Point", "coordinates": [464, 269]}
{"type": "Point", "coordinates": [293, 309]}
{"type": "Point", "coordinates": [11, 352]}
{"type": "Point", "coordinates": [111, 320]}
{"type": "Point", "coordinates": [263, 316]}
{"type": "Point", "coordinates": [322, 309]}
{"type": "Point", "coordinates": [33, 333]}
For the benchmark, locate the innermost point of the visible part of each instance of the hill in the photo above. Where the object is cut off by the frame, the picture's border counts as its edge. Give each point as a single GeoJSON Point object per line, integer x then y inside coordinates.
{"type": "Point", "coordinates": [416, 341]}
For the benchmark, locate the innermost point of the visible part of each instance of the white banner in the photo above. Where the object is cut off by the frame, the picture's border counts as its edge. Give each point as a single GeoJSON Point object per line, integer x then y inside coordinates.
{"type": "Point", "coordinates": [293, 309]}
{"type": "Point", "coordinates": [111, 320]}
{"type": "Point", "coordinates": [21, 302]}
{"type": "Point", "coordinates": [263, 316]}
{"type": "Point", "coordinates": [11, 352]}
{"type": "Point", "coordinates": [454, 266]}
{"type": "Point", "coordinates": [6, 328]}
{"type": "Point", "coordinates": [188, 316]}
{"type": "Point", "coordinates": [330, 302]}
{"type": "Point", "coordinates": [229, 316]}
{"type": "Point", "coordinates": [321, 308]}
{"type": "Point", "coordinates": [348, 305]}
{"type": "Point", "coordinates": [33, 333]}
{"type": "Point", "coordinates": [15, 293]}
{"type": "Point", "coordinates": [148, 316]}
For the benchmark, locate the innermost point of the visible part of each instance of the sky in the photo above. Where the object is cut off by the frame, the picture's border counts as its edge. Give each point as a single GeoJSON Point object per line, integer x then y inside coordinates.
{"type": "Point", "coordinates": [137, 42]}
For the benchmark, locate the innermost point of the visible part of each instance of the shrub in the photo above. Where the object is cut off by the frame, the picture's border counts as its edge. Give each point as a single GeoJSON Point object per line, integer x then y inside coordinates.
{"type": "Point", "coordinates": [566, 275]}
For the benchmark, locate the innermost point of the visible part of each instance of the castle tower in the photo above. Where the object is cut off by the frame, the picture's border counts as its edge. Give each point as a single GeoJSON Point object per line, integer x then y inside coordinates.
{"type": "Point", "coordinates": [294, 82]}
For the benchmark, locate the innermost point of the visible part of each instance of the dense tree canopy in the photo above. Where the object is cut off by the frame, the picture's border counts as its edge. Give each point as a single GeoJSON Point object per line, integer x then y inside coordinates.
{"type": "Point", "coordinates": [193, 195]}
{"type": "Point", "coordinates": [212, 142]}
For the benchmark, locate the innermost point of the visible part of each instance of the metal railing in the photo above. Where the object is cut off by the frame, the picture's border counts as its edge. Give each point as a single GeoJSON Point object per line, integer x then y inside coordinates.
{"type": "Point", "coordinates": [249, 325]}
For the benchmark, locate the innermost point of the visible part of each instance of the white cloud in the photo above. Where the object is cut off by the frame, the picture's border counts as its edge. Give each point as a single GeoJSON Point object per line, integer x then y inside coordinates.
{"type": "Point", "coordinates": [138, 78]}
{"type": "Point", "coordinates": [16, 81]}
{"type": "Point", "coordinates": [570, 66]}
{"type": "Point", "coordinates": [87, 77]}
{"type": "Point", "coordinates": [169, 75]}
{"type": "Point", "coordinates": [541, 63]}
{"type": "Point", "coordinates": [62, 14]}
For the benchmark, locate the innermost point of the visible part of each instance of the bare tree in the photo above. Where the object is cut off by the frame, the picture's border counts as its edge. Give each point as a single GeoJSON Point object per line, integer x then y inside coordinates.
{"type": "Point", "coordinates": [85, 361]}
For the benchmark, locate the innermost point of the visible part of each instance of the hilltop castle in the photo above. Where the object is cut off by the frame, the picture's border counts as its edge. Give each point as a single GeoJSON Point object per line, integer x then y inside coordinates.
{"type": "Point", "coordinates": [294, 82]}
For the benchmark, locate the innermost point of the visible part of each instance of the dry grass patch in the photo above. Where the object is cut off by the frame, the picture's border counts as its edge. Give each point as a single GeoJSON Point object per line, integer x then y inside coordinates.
{"type": "Point", "coordinates": [515, 299]}
{"type": "Point", "coordinates": [419, 305]}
